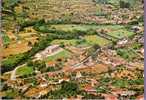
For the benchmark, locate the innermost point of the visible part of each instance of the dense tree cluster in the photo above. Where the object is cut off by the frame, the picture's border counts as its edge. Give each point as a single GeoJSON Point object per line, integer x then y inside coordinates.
{"type": "Point", "coordinates": [67, 89]}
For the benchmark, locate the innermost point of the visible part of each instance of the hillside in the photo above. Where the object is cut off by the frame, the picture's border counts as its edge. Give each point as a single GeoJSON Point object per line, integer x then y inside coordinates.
{"type": "Point", "coordinates": [72, 49]}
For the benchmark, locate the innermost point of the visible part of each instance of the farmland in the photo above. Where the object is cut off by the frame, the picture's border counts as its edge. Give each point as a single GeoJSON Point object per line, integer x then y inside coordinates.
{"type": "Point", "coordinates": [113, 30]}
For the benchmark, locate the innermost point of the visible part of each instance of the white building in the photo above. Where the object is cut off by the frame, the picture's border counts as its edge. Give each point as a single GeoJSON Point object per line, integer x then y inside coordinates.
{"type": "Point", "coordinates": [48, 51]}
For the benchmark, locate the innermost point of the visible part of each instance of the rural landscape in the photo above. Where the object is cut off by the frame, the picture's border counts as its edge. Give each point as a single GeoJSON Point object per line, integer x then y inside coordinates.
{"type": "Point", "coordinates": [72, 49]}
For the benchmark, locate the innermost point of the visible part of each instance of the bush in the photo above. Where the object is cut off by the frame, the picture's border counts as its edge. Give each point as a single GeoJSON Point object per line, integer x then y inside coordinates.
{"type": "Point", "coordinates": [102, 89]}
{"type": "Point", "coordinates": [31, 23]}
{"type": "Point", "coordinates": [120, 83]}
{"type": "Point", "coordinates": [124, 4]}
{"type": "Point", "coordinates": [127, 54]}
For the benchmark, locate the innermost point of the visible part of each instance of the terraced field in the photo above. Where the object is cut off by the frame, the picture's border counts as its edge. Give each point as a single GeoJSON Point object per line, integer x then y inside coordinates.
{"type": "Point", "coordinates": [68, 9]}
{"type": "Point", "coordinates": [72, 42]}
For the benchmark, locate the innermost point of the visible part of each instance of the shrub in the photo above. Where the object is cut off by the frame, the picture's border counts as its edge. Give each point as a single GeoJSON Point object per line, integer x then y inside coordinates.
{"type": "Point", "coordinates": [124, 4]}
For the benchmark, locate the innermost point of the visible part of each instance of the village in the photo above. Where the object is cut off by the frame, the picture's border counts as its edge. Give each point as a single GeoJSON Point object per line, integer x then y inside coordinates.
{"type": "Point", "coordinates": [83, 69]}
{"type": "Point", "coordinates": [64, 49]}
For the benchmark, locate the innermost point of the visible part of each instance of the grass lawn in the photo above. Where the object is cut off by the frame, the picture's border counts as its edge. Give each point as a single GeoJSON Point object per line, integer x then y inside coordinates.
{"type": "Point", "coordinates": [62, 54]}
{"type": "Point", "coordinates": [24, 71]}
{"type": "Point", "coordinates": [93, 39]}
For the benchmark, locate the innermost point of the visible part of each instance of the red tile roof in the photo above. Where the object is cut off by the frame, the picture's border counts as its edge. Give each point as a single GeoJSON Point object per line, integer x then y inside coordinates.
{"type": "Point", "coordinates": [50, 63]}
{"type": "Point", "coordinates": [110, 97]}
{"type": "Point", "coordinates": [89, 88]}
{"type": "Point", "coordinates": [140, 97]}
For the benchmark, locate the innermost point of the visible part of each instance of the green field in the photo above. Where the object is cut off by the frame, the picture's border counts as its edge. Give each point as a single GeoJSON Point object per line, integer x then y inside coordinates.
{"type": "Point", "coordinates": [62, 54]}
{"type": "Point", "coordinates": [24, 71]}
{"type": "Point", "coordinates": [118, 31]}
{"type": "Point", "coordinates": [94, 39]}
{"type": "Point", "coordinates": [88, 40]}
{"type": "Point", "coordinates": [72, 42]}
{"type": "Point", "coordinates": [6, 39]}
{"type": "Point", "coordinates": [70, 27]}
{"type": "Point", "coordinates": [121, 33]}
{"type": "Point", "coordinates": [128, 54]}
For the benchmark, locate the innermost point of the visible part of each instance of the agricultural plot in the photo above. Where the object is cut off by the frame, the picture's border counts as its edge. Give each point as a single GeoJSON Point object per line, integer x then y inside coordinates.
{"type": "Point", "coordinates": [118, 31]}
{"type": "Point", "coordinates": [94, 39]}
{"type": "Point", "coordinates": [68, 9]}
{"type": "Point", "coordinates": [71, 27]}
{"type": "Point", "coordinates": [128, 54]}
{"type": "Point", "coordinates": [88, 40]}
{"type": "Point", "coordinates": [6, 39]}
{"type": "Point", "coordinates": [72, 42]}
{"type": "Point", "coordinates": [121, 33]}
{"type": "Point", "coordinates": [18, 43]}
{"type": "Point", "coordinates": [16, 48]}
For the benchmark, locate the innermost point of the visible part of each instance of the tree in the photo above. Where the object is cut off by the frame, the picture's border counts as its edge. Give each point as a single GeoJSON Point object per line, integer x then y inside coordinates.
{"type": "Point", "coordinates": [69, 88]}
{"type": "Point", "coordinates": [30, 63]}
{"type": "Point", "coordinates": [29, 44]}
{"type": "Point", "coordinates": [62, 44]}
{"type": "Point", "coordinates": [124, 4]}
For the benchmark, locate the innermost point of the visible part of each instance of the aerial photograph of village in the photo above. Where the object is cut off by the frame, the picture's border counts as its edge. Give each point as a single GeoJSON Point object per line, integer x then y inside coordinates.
{"type": "Point", "coordinates": [72, 49]}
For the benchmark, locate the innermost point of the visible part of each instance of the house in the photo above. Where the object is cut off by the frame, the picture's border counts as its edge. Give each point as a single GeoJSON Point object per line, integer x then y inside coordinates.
{"type": "Point", "coordinates": [117, 61]}
{"type": "Point", "coordinates": [123, 92]}
{"type": "Point", "coordinates": [78, 75]}
{"type": "Point", "coordinates": [136, 29]}
{"type": "Point", "coordinates": [140, 97]}
{"type": "Point", "coordinates": [122, 42]}
{"type": "Point", "coordinates": [109, 97]}
{"type": "Point", "coordinates": [93, 82]}
{"type": "Point", "coordinates": [88, 88]}
{"type": "Point", "coordinates": [64, 79]}
{"type": "Point", "coordinates": [142, 51]}
{"type": "Point", "coordinates": [44, 84]}
{"type": "Point", "coordinates": [52, 49]}
{"type": "Point", "coordinates": [51, 63]}
{"type": "Point", "coordinates": [141, 40]}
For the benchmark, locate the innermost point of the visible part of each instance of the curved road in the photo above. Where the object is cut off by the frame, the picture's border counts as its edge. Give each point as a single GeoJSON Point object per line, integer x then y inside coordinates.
{"type": "Point", "coordinates": [13, 74]}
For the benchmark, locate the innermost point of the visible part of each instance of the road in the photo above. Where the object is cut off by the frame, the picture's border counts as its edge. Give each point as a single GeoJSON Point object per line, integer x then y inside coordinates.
{"type": "Point", "coordinates": [13, 73]}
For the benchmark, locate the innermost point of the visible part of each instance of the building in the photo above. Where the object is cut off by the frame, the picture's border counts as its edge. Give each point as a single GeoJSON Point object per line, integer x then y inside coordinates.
{"type": "Point", "coordinates": [48, 51]}
{"type": "Point", "coordinates": [64, 79]}
{"type": "Point", "coordinates": [78, 75]}
{"type": "Point", "coordinates": [122, 42]}
{"type": "Point", "coordinates": [51, 64]}
{"type": "Point", "coordinates": [140, 97]}
{"type": "Point", "coordinates": [109, 97]}
{"type": "Point", "coordinates": [88, 88]}
{"type": "Point", "coordinates": [52, 49]}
